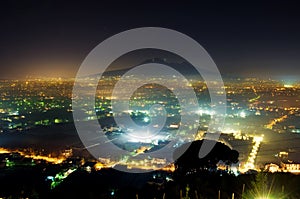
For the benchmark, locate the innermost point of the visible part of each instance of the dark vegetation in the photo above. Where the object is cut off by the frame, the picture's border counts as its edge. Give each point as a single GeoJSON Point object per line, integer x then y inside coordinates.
{"type": "Point", "coordinates": [194, 178]}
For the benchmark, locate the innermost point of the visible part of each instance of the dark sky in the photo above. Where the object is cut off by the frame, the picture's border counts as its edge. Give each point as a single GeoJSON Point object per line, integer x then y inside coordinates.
{"type": "Point", "coordinates": [51, 38]}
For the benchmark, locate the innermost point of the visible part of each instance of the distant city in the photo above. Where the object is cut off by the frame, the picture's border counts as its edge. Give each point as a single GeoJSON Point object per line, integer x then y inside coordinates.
{"type": "Point", "coordinates": [260, 114]}
{"type": "Point", "coordinates": [262, 124]}
{"type": "Point", "coordinates": [149, 100]}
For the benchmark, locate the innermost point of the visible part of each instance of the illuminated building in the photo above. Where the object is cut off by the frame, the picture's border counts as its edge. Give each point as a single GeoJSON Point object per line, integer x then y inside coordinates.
{"type": "Point", "coordinates": [291, 167]}
{"type": "Point", "coordinates": [272, 168]}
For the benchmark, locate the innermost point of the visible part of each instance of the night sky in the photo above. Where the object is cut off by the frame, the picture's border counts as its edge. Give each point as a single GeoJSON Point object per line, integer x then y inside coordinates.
{"type": "Point", "coordinates": [51, 38]}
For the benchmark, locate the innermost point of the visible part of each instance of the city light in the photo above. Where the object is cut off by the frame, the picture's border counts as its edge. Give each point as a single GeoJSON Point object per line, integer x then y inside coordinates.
{"type": "Point", "coordinates": [243, 114]}
{"type": "Point", "coordinates": [288, 86]}
{"type": "Point", "coordinates": [87, 111]}
{"type": "Point", "coordinates": [250, 164]}
{"type": "Point", "coordinates": [146, 119]}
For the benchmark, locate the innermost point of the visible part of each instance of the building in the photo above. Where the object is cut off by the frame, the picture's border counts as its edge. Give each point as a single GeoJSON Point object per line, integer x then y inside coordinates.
{"type": "Point", "coordinates": [291, 167]}
{"type": "Point", "coordinates": [272, 168]}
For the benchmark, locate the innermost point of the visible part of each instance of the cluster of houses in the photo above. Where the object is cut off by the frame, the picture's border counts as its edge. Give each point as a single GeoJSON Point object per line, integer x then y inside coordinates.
{"type": "Point", "coordinates": [285, 165]}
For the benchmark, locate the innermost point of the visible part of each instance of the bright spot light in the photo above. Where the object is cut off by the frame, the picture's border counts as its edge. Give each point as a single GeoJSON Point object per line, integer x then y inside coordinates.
{"type": "Point", "coordinates": [288, 86]}
{"type": "Point", "coordinates": [242, 114]}
{"type": "Point", "coordinates": [146, 119]}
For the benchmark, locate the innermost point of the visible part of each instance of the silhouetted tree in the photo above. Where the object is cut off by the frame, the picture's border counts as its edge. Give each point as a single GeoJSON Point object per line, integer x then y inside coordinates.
{"type": "Point", "coordinates": [190, 160]}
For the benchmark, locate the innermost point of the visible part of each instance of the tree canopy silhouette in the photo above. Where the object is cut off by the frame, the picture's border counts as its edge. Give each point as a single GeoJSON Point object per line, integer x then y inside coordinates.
{"type": "Point", "coordinates": [190, 159]}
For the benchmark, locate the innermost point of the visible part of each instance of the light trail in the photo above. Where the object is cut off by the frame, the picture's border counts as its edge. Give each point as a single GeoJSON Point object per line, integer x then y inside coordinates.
{"type": "Point", "coordinates": [253, 154]}
{"type": "Point", "coordinates": [54, 160]}
{"type": "Point", "coordinates": [48, 159]}
{"type": "Point", "coordinates": [3, 150]}
{"type": "Point", "coordinates": [275, 121]}
{"type": "Point", "coordinates": [257, 96]}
